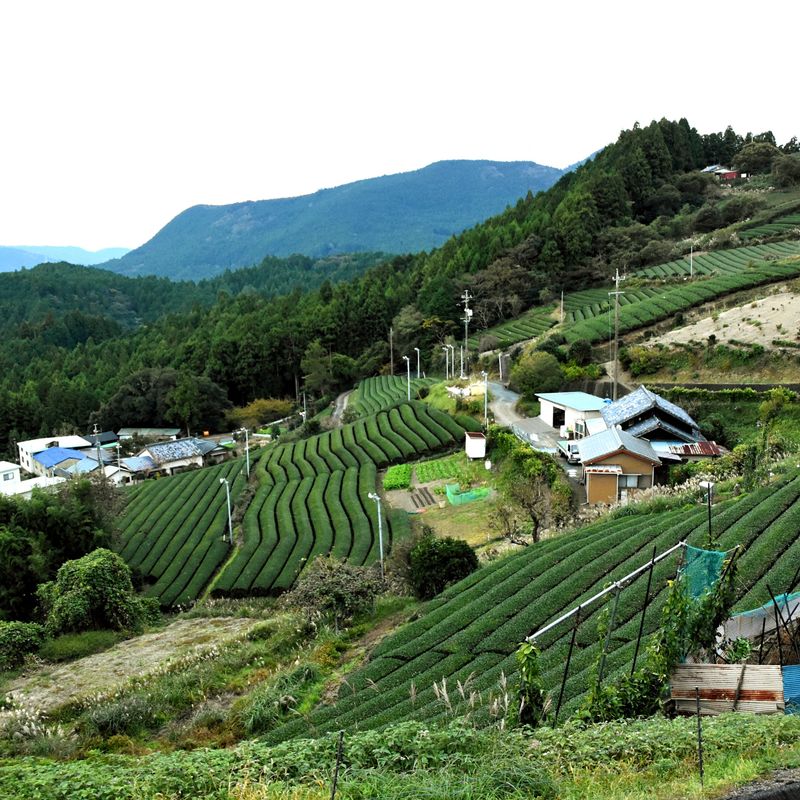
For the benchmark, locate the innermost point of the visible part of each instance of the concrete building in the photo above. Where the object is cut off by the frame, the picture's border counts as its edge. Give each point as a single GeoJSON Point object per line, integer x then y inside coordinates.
{"type": "Point", "coordinates": [569, 411]}
{"type": "Point", "coordinates": [28, 449]}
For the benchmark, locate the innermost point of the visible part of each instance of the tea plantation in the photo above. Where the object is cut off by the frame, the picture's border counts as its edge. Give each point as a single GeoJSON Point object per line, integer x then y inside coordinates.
{"type": "Point", "coordinates": [384, 391]}
{"type": "Point", "coordinates": [311, 499]}
{"type": "Point", "coordinates": [469, 634]}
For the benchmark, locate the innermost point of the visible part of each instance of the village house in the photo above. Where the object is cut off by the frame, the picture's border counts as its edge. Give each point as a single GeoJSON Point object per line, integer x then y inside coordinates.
{"type": "Point", "coordinates": [170, 458]}
{"type": "Point", "coordinates": [28, 449]}
{"type": "Point", "coordinates": [569, 412]}
{"type": "Point", "coordinates": [12, 484]}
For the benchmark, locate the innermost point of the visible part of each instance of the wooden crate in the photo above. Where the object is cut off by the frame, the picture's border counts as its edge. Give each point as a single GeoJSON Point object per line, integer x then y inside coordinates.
{"type": "Point", "coordinates": [727, 687]}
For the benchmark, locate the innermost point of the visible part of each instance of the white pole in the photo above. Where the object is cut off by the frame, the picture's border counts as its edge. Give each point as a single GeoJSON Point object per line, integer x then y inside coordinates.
{"type": "Point", "coordinates": [417, 349]}
{"type": "Point", "coordinates": [446, 362]}
{"type": "Point", "coordinates": [119, 465]}
{"type": "Point", "coordinates": [228, 498]}
{"type": "Point", "coordinates": [377, 499]}
{"type": "Point", "coordinates": [408, 376]}
{"type": "Point", "coordinates": [452, 360]}
{"type": "Point", "coordinates": [485, 399]}
{"type": "Point", "coordinates": [691, 261]}
{"type": "Point", "coordinates": [246, 449]}
{"type": "Point", "coordinates": [500, 362]}
{"type": "Point", "coordinates": [461, 353]}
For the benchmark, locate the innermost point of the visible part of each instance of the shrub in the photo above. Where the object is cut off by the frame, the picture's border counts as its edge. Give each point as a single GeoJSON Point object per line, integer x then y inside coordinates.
{"type": "Point", "coordinates": [17, 640]}
{"type": "Point", "coordinates": [90, 593]}
{"type": "Point", "coordinates": [437, 562]}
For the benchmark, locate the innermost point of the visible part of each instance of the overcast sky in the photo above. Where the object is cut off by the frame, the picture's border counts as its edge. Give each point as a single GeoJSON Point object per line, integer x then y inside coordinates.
{"type": "Point", "coordinates": [117, 115]}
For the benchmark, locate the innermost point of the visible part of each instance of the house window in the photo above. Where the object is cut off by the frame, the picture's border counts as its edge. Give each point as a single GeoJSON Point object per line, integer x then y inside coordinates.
{"type": "Point", "coordinates": [628, 481]}
{"type": "Point", "coordinates": [580, 429]}
{"type": "Point", "coordinates": [8, 476]}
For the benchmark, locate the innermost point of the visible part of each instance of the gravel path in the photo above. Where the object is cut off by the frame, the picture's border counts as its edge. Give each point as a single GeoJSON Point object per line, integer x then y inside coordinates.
{"type": "Point", "coordinates": [341, 405]}
{"type": "Point", "coordinates": [783, 784]}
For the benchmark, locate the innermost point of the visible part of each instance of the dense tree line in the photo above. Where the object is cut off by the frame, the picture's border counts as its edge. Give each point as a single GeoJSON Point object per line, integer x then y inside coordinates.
{"type": "Point", "coordinates": [625, 207]}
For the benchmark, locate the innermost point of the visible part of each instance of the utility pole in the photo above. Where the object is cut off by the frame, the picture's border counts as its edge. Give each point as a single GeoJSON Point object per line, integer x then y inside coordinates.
{"type": "Point", "coordinates": [452, 349]}
{"type": "Point", "coordinates": [466, 297]}
{"type": "Point", "coordinates": [616, 294]}
{"type": "Point", "coordinates": [461, 356]}
{"type": "Point", "coordinates": [391, 351]}
{"type": "Point", "coordinates": [485, 400]}
{"type": "Point", "coordinates": [96, 433]}
{"type": "Point", "coordinates": [446, 361]}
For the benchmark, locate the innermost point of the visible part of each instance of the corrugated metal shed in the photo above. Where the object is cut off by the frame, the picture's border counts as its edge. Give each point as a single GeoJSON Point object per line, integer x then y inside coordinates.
{"type": "Point", "coordinates": [791, 688]}
{"type": "Point", "coordinates": [757, 688]}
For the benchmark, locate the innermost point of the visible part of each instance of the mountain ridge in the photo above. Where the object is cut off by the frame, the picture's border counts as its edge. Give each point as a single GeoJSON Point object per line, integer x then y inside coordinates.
{"type": "Point", "coordinates": [397, 213]}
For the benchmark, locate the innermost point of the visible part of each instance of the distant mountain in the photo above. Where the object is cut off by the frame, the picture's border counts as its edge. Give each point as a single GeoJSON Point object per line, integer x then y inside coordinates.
{"type": "Point", "coordinates": [12, 258]}
{"type": "Point", "coordinates": [402, 213]}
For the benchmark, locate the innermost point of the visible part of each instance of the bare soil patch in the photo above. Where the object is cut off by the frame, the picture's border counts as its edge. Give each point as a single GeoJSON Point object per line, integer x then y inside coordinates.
{"type": "Point", "coordinates": [51, 686]}
{"type": "Point", "coordinates": [760, 322]}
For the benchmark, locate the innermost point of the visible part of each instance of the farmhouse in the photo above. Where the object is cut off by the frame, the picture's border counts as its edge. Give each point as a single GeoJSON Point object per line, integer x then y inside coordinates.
{"type": "Point", "coordinates": [28, 449]}
{"type": "Point", "coordinates": [647, 415]}
{"type": "Point", "coordinates": [12, 484]}
{"type": "Point", "coordinates": [570, 410]}
{"type": "Point", "coordinates": [616, 465]}
{"type": "Point", "coordinates": [153, 434]}
{"type": "Point", "coordinates": [173, 457]}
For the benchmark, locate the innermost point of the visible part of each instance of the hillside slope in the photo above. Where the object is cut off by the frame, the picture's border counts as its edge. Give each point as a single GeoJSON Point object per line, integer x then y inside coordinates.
{"type": "Point", "coordinates": [401, 213]}
{"type": "Point", "coordinates": [470, 633]}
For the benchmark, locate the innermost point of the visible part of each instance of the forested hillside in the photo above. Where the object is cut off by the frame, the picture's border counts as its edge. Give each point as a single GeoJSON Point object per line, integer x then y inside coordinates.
{"type": "Point", "coordinates": [401, 213]}
{"type": "Point", "coordinates": [638, 202]}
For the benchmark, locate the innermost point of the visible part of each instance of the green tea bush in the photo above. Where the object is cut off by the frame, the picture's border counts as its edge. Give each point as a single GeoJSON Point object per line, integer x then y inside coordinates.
{"type": "Point", "coordinates": [17, 640]}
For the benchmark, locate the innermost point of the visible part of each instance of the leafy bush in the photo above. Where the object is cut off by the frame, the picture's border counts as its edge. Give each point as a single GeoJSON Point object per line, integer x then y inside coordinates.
{"type": "Point", "coordinates": [17, 640]}
{"type": "Point", "coordinates": [437, 562]}
{"type": "Point", "coordinates": [334, 590]}
{"type": "Point", "coordinates": [397, 477]}
{"type": "Point", "coordinates": [70, 646]}
{"type": "Point", "coordinates": [91, 593]}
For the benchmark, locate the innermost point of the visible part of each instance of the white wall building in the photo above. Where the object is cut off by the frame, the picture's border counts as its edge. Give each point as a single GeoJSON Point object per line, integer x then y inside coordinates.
{"type": "Point", "coordinates": [29, 448]}
{"type": "Point", "coordinates": [11, 483]}
{"type": "Point", "coordinates": [570, 410]}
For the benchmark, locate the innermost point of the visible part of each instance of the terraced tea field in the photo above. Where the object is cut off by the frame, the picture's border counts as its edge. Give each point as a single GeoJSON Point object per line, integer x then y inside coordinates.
{"type": "Point", "coordinates": [786, 224]}
{"type": "Point", "coordinates": [715, 274]}
{"type": "Point", "coordinates": [469, 634]}
{"type": "Point", "coordinates": [173, 530]}
{"type": "Point", "coordinates": [384, 391]}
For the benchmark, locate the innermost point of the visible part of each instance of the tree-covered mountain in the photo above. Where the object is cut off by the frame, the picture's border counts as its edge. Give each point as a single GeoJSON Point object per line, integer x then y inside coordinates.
{"type": "Point", "coordinates": [12, 258]}
{"type": "Point", "coordinates": [402, 213]}
{"type": "Point", "coordinates": [639, 201]}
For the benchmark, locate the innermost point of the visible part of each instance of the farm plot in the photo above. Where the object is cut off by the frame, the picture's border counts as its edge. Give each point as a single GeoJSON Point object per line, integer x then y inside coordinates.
{"type": "Point", "coordinates": [318, 502]}
{"type": "Point", "coordinates": [173, 529]}
{"type": "Point", "coordinates": [384, 391]}
{"type": "Point", "coordinates": [470, 633]}
{"type": "Point", "coordinates": [779, 226]}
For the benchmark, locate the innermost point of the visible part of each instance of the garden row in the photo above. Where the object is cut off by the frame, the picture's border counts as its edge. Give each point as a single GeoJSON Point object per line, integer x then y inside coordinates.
{"type": "Point", "coordinates": [313, 498]}
{"type": "Point", "coordinates": [778, 226]}
{"type": "Point", "coordinates": [469, 635]}
{"type": "Point", "coordinates": [173, 530]}
{"type": "Point", "coordinates": [384, 391]}
{"type": "Point", "coordinates": [529, 326]}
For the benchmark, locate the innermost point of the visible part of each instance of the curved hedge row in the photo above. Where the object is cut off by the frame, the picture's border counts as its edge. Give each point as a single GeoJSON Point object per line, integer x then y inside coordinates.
{"type": "Point", "coordinates": [173, 530]}
{"type": "Point", "coordinates": [313, 497]}
{"type": "Point", "coordinates": [384, 391]}
{"type": "Point", "coordinates": [470, 633]}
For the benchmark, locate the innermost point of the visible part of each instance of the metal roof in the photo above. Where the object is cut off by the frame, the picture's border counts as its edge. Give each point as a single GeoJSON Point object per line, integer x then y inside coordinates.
{"type": "Point", "coordinates": [614, 440]}
{"type": "Point", "coordinates": [594, 425]}
{"type": "Point", "coordinates": [82, 467]}
{"type": "Point", "coordinates": [56, 455]}
{"type": "Point", "coordinates": [138, 463]}
{"type": "Point", "coordinates": [639, 401]}
{"type": "Point", "coordinates": [37, 445]}
{"type": "Point", "coordinates": [164, 452]}
{"type": "Point", "coordinates": [580, 401]}
{"type": "Point", "coordinates": [6, 465]}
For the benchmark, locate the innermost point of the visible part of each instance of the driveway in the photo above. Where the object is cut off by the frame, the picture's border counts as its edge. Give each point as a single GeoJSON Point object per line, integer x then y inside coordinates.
{"type": "Point", "coordinates": [502, 405]}
{"type": "Point", "coordinates": [341, 405]}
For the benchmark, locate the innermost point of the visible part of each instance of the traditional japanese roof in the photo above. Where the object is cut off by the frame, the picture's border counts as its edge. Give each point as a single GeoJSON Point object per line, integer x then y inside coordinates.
{"type": "Point", "coordinates": [654, 423]}
{"type": "Point", "coordinates": [164, 452]}
{"type": "Point", "coordinates": [580, 401]}
{"type": "Point", "coordinates": [637, 403]}
{"type": "Point", "coordinates": [611, 441]}
{"type": "Point", "coordinates": [138, 463]}
{"type": "Point", "coordinates": [57, 455]}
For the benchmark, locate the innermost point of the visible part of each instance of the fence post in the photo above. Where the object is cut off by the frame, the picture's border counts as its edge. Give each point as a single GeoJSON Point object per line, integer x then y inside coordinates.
{"type": "Point", "coordinates": [566, 666]}
{"type": "Point", "coordinates": [699, 734]}
{"type": "Point", "coordinates": [644, 610]}
{"type": "Point", "coordinates": [761, 646]}
{"type": "Point", "coordinates": [602, 669]}
{"type": "Point", "coordinates": [338, 761]}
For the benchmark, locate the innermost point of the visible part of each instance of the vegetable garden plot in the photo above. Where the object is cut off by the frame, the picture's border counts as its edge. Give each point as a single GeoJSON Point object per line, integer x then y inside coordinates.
{"type": "Point", "coordinates": [474, 628]}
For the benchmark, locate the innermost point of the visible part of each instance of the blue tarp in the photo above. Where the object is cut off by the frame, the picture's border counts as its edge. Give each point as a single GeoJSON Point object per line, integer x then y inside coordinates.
{"type": "Point", "coordinates": [791, 688]}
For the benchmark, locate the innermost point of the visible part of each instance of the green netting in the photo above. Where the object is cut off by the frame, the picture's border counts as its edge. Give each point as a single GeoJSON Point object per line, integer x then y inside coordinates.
{"type": "Point", "coordinates": [457, 497]}
{"type": "Point", "coordinates": [701, 569]}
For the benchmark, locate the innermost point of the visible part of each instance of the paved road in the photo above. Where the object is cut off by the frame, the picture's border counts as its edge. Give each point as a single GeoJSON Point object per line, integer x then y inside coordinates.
{"type": "Point", "coordinates": [502, 405]}
{"type": "Point", "coordinates": [341, 405]}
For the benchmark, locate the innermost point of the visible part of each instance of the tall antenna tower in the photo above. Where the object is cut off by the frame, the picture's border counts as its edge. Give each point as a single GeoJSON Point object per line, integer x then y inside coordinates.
{"type": "Point", "coordinates": [466, 297]}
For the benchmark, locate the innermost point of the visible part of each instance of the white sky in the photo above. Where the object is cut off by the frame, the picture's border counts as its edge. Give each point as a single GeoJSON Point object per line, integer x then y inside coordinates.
{"type": "Point", "coordinates": [117, 115]}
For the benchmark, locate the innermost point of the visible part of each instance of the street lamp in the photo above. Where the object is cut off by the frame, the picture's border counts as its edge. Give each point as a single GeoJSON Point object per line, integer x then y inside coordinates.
{"type": "Point", "coordinates": [377, 499]}
{"type": "Point", "coordinates": [228, 497]}
{"type": "Point", "coordinates": [417, 349]}
{"type": "Point", "coordinates": [446, 362]}
{"type": "Point", "coordinates": [461, 353]}
{"type": "Point", "coordinates": [408, 373]}
{"type": "Point", "coordinates": [452, 360]}
{"type": "Point", "coordinates": [709, 487]}
{"type": "Point", "coordinates": [246, 448]}
{"type": "Point", "coordinates": [485, 400]}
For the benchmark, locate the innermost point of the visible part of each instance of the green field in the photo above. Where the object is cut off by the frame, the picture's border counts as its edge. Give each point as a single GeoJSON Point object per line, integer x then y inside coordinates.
{"type": "Point", "coordinates": [470, 632]}
{"type": "Point", "coordinates": [786, 224]}
{"type": "Point", "coordinates": [312, 497]}
{"type": "Point", "coordinates": [530, 325]}
{"type": "Point", "coordinates": [384, 391]}
{"type": "Point", "coordinates": [173, 530]}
